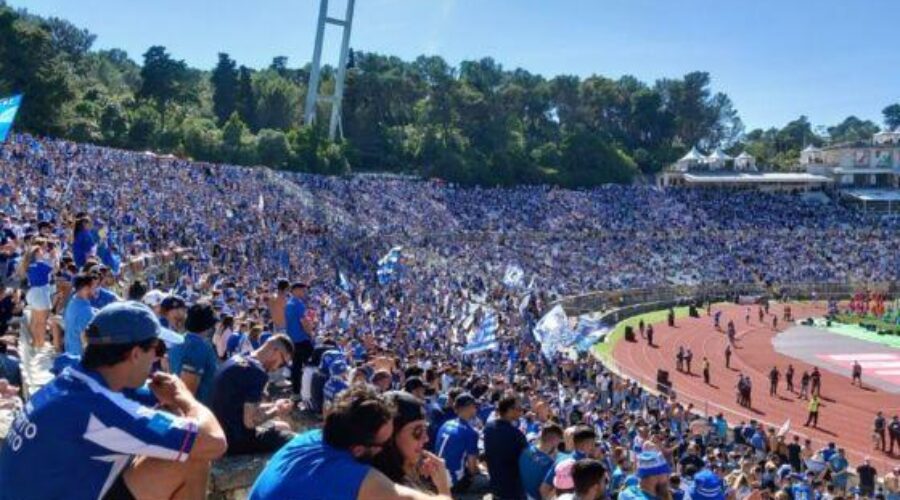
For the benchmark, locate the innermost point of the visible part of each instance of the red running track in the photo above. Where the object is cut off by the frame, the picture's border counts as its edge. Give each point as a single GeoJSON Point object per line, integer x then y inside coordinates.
{"type": "Point", "coordinates": [846, 413]}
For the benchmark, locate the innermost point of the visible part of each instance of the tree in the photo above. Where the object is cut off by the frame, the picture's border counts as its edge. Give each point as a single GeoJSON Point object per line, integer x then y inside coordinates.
{"type": "Point", "coordinates": [237, 141]}
{"type": "Point", "coordinates": [202, 139]}
{"type": "Point", "coordinates": [113, 125]}
{"type": "Point", "coordinates": [224, 80]}
{"type": "Point", "coordinates": [272, 148]}
{"type": "Point", "coordinates": [165, 80]}
{"type": "Point", "coordinates": [30, 65]}
{"type": "Point", "coordinates": [852, 129]}
{"type": "Point", "coordinates": [246, 99]}
{"type": "Point", "coordinates": [68, 39]}
{"type": "Point", "coordinates": [278, 102]}
{"type": "Point", "coordinates": [892, 116]}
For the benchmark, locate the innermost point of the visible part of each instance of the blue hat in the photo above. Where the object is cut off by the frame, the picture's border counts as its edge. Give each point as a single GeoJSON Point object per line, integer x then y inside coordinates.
{"type": "Point", "coordinates": [652, 463]}
{"type": "Point", "coordinates": [707, 486]}
{"type": "Point", "coordinates": [328, 358]}
{"type": "Point", "coordinates": [338, 368]}
{"type": "Point", "coordinates": [127, 322]}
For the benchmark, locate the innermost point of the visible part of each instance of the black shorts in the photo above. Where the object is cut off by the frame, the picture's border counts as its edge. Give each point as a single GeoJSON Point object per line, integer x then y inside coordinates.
{"type": "Point", "coordinates": [119, 490]}
{"type": "Point", "coordinates": [268, 440]}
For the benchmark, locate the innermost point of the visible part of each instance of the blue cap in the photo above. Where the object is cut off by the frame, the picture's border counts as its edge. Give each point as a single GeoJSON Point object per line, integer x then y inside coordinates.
{"type": "Point", "coordinates": [328, 358]}
{"type": "Point", "coordinates": [127, 322]}
{"type": "Point", "coordinates": [338, 368]}
{"type": "Point", "coordinates": [652, 463]}
{"type": "Point", "coordinates": [707, 486]}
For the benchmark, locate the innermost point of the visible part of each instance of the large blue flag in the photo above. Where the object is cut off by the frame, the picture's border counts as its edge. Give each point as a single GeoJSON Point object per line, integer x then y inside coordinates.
{"type": "Point", "coordinates": [8, 108]}
{"type": "Point", "coordinates": [553, 332]}
{"type": "Point", "coordinates": [389, 266]}
{"type": "Point", "coordinates": [589, 331]}
{"type": "Point", "coordinates": [485, 337]}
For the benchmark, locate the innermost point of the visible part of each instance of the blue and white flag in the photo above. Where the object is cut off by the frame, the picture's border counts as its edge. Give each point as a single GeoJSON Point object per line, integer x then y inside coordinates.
{"type": "Point", "coordinates": [344, 283]}
{"type": "Point", "coordinates": [514, 276]}
{"type": "Point", "coordinates": [8, 108]}
{"type": "Point", "coordinates": [553, 332]}
{"type": "Point", "coordinates": [485, 337]}
{"type": "Point", "coordinates": [589, 332]}
{"type": "Point", "coordinates": [389, 265]}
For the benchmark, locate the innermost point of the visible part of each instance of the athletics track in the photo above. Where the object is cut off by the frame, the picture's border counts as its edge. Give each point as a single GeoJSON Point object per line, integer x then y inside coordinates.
{"type": "Point", "coordinates": [846, 413]}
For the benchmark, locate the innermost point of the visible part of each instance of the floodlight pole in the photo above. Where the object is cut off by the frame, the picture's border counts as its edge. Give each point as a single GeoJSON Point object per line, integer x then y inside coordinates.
{"type": "Point", "coordinates": [336, 99]}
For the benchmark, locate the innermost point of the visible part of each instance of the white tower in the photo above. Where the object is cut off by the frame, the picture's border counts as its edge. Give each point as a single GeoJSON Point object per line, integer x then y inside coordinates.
{"type": "Point", "coordinates": [312, 94]}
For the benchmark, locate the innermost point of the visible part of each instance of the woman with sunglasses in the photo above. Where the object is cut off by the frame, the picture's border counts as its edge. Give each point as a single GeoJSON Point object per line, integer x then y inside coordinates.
{"type": "Point", "coordinates": [404, 459]}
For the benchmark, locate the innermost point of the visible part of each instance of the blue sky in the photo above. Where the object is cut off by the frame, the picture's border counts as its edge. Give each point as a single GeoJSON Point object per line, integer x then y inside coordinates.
{"type": "Point", "coordinates": [826, 59]}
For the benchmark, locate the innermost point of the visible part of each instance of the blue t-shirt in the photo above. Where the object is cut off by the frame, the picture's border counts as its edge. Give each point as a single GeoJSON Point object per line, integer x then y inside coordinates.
{"type": "Point", "coordinates": [635, 493]}
{"type": "Point", "coordinates": [82, 247]}
{"type": "Point", "coordinates": [308, 468]}
{"type": "Point", "coordinates": [39, 274]}
{"type": "Point", "coordinates": [802, 491]}
{"type": "Point", "coordinates": [77, 316]}
{"type": "Point", "coordinates": [294, 312]}
{"type": "Point", "coordinates": [195, 355]}
{"type": "Point", "coordinates": [103, 298]}
{"type": "Point", "coordinates": [534, 465]}
{"type": "Point", "coordinates": [82, 435]}
{"type": "Point", "coordinates": [456, 441]}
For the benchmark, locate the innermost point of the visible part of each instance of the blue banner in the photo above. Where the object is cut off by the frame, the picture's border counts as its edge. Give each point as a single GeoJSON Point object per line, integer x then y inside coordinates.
{"type": "Point", "coordinates": [485, 337]}
{"type": "Point", "coordinates": [8, 108]}
{"type": "Point", "coordinates": [553, 332]}
{"type": "Point", "coordinates": [389, 266]}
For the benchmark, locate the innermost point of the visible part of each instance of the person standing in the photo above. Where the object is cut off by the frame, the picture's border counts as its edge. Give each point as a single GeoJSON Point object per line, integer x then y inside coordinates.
{"type": "Point", "coordinates": [813, 408]}
{"type": "Point", "coordinates": [867, 475]}
{"type": "Point", "coordinates": [789, 378]}
{"type": "Point", "coordinates": [277, 302]}
{"type": "Point", "coordinates": [503, 443]}
{"type": "Point", "coordinates": [457, 444]}
{"type": "Point", "coordinates": [879, 432]}
{"type": "Point", "coordinates": [688, 357]}
{"type": "Point", "coordinates": [650, 335]}
{"type": "Point", "coordinates": [300, 329]}
{"type": "Point", "coordinates": [705, 370]}
{"type": "Point", "coordinates": [857, 374]}
{"type": "Point", "coordinates": [815, 380]}
{"type": "Point", "coordinates": [804, 385]}
{"type": "Point", "coordinates": [728, 356]}
{"type": "Point", "coordinates": [679, 359]}
{"type": "Point", "coordinates": [774, 375]}
{"type": "Point", "coordinates": [894, 432]}
{"type": "Point", "coordinates": [78, 313]}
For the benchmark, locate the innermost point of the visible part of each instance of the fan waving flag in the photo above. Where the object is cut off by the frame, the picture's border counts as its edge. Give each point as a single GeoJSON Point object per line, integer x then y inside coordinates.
{"type": "Point", "coordinates": [8, 108]}
{"type": "Point", "coordinates": [389, 266]}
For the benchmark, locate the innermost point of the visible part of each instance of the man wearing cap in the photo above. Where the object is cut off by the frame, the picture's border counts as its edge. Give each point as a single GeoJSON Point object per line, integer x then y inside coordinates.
{"type": "Point", "coordinates": [653, 472]}
{"type": "Point", "coordinates": [300, 329]}
{"type": "Point", "coordinates": [195, 360]}
{"type": "Point", "coordinates": [707, 486]}
{"type": "Point", "coordinates": [457, 444]}
{"type": "Point", "coordinates": [237, 399]}
{"type": "Point", "coordinates": [79, 313]}
{"type": "Point", "coordinates": [89, 441]}
{"type": "Point", "coordinates": [173, 312]}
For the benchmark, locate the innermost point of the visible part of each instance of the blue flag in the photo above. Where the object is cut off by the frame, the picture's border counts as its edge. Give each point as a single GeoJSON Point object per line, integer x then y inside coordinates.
{"type": "Point", "coordinates": [389, 265]}
{"type": "Point", "coordinates": [553, 332]}
{"type": "Point", "coordinates": [8, 108]}
{"type": "Point", "coordinates": [485, 337]}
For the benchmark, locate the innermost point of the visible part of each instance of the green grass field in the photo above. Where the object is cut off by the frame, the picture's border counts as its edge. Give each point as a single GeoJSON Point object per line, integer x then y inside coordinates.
{"type": "Point", "coordinates": [603, 350]}
{"type": "Point", "coordinates": [848, 326]}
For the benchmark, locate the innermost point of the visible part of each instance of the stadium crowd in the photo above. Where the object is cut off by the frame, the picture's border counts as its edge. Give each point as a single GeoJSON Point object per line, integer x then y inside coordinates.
{"type": "Point", "coordinates": [272, 303]}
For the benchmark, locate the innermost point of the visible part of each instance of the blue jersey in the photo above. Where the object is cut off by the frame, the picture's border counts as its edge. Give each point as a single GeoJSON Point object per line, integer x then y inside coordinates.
{"type": "Point", "coordinates": [308, 468]}
{"type": "Point", "coordinates": [195, 355]}
{"type": "Point", "coordinates": [456, 441]}
{"type": "Point", "coordinates": [802, 491]}
{"type": "Point", "coordinates": [534, 465]}
{"type": "Point", "coordinates": [81, 436]}
{"type": "Point", "coordinates": [294, 312]}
